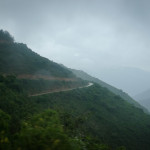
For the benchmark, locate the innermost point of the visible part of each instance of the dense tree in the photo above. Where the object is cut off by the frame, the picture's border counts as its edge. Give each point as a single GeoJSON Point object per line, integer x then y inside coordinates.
{"type": "Point", "coordinates": [44, 131]}
{"type": "Point", "coordinates": [17, 58]}
{"type": "Point", "coordinates": [90, 118]}
{"type": "Point", "coordinates": [4, 130]}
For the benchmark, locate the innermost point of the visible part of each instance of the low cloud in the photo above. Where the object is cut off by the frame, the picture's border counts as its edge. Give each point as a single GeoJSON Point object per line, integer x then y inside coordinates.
{"type": "Point", "coordinates": [83, 34]}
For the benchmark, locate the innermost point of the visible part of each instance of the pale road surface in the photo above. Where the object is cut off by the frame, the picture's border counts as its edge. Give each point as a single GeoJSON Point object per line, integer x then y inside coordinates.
{"type": "Point", "coordinates": [62, 90]}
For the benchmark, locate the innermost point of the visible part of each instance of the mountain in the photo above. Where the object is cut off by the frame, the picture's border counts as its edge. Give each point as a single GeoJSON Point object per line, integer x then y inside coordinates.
{"type": "Point", "coordinates": [18, 59]}
{"type": "Point", "coordinates": [131, 80]}
{"type": "Point", "coordinates": [38, 74]}
{"type": "Point", "coordinates": [90, 118]}
{"type": "Point", "coordinates": [87, 118]}
{"type": "Point", "coordinates": [144, 99]}
{"type": "Point", "coordinates": [123, 95]}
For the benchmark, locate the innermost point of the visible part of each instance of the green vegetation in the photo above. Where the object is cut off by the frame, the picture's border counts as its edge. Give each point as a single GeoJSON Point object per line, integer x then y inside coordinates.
{"type": "Point", "coordinates": [44, 131]}
{"type": "Point", "coordinates": [125, 96]}
{"type": "Point", "coordinates": [99, 113]}
{"type": "Point", "coordinates": [91, 118]}
{"type": "Point", "coordinates": [17, 58]}
{"type": "Point", "coordinates": [40, 85]}
{"type": "Point", "coordinates": [21, 60]}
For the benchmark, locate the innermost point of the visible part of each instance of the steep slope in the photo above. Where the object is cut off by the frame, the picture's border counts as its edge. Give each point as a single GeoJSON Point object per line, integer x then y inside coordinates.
{"type": "Point", "coordinates": [104, 115]}
{"type": "Point", "coordinates": [90, 118]}
{"type": "Point", "coordinates": [125, 96]}
{"type": "Point", "coordinates": [18, 59]}
{"type": "Point", "coordinates": [38, 74]}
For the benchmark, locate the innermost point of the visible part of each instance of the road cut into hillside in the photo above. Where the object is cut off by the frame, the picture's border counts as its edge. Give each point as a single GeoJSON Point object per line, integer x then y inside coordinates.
{"type": "Point", "coordinates": [61, 90]}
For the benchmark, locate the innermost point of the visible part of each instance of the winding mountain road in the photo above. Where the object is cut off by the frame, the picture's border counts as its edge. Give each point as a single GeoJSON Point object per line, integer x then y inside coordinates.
{"type": "Point", "coordinates": [61, 90]}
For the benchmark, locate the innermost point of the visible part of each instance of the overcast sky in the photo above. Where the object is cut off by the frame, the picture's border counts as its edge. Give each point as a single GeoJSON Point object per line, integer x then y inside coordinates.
{"type": "Point", "coordinates": [92, 35]}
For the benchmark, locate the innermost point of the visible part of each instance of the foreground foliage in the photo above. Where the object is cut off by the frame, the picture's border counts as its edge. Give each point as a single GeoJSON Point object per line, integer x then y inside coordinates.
{"type": "Point", "coordinates": [84, 119]}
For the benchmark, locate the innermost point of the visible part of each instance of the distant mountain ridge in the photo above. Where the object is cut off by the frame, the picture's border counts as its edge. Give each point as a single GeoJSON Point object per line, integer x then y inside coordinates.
{"type": "Point", "coordinates": [22, 60]}
{"type": "Point", "coordinates": [132, 80]}
{"type": "Point", "coordinates": [24, 63]}
{"type": "Point", "coordinates": [125, 96]}
{"type": "Point", "coordinates": [91, 118]}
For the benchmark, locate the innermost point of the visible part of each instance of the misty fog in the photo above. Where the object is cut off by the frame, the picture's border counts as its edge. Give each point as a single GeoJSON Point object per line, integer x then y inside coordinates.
{"type": "Point", "coordinates": [107, 39]}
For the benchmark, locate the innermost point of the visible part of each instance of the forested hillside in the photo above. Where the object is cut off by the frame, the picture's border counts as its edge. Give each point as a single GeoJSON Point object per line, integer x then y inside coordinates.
{"type": "Point", "coordinates": [91, 118]}
{"type": "Point", "coordinates": [18, 59]}
{"type": "Point", "coordinates": [125, 96]}
{"type": "Point", "coordinates": [87, 118]}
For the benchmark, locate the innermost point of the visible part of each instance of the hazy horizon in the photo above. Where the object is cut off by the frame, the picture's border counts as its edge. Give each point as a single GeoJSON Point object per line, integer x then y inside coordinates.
{"type": "Point", "coordinates": [95, 36]}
